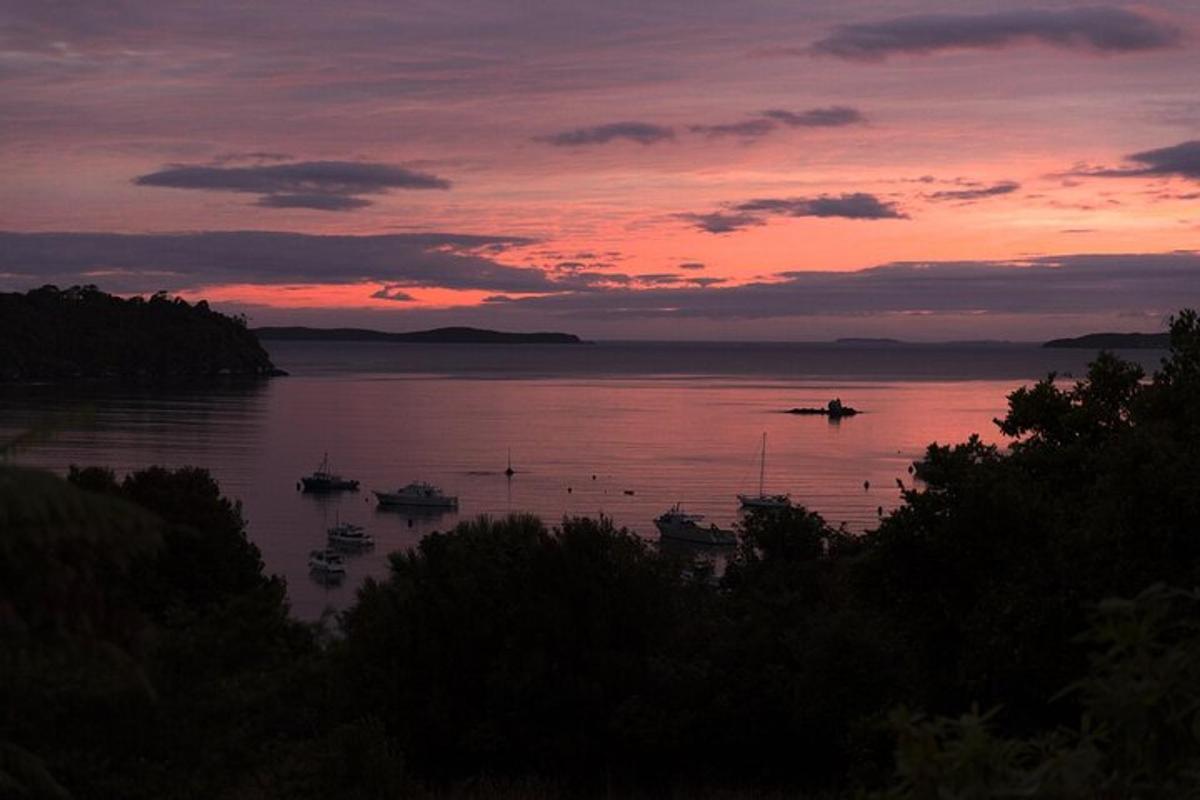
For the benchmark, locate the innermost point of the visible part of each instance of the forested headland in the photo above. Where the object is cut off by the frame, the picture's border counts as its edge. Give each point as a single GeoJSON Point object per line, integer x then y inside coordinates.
{"type": "Point", "coordinates": [82, 333]}
{"type": "Point", "coordinates": [1025, 624]}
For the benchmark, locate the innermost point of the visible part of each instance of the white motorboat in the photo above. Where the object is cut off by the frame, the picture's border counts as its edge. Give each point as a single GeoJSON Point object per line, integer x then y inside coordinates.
{"type": "Point", "coordinates": [417, 494]}
{"type": "Point", "coordinates": [346, 534]}
{"type": "Point", "coordinates": [762, 499]}
{"type": "Point", "coordinates": [681, 526]}
{"type": "Point", "coordinates": [326, 562]}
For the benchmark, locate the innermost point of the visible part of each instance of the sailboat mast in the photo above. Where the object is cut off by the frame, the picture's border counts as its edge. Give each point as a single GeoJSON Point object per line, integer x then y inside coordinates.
{"type": "Point", "coordinates": [762, 465]}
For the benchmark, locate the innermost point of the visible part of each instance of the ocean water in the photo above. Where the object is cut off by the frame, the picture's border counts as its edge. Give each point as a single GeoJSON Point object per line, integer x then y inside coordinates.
{"type": "Point", "coordinates": [624, 429]}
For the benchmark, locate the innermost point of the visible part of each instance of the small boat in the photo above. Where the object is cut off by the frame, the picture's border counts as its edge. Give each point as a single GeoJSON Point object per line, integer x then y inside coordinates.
{"type": "Point", "coordinates": [762, 499]}
{"type": "Point", "coordinates": [326, 480]}
{"type": "Point", "coordinates": [326, 562]}
{"type": "Point", "coordinates": [681, 526]}
{"type": "Point", "coordinates": [417, 494]}
{"type": "Point", "coordinates": [346, 534]}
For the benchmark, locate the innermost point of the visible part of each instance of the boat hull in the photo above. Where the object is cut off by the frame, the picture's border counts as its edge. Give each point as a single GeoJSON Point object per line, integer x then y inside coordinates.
{"type": "Point", "coordinates": [711, 536]}
{"type": "Point", "coordinates": [394, 499]}
{"type": "Point", "coordinates": [324, 485]}
{"type": "Point", "coordinates": [764, 501]}
{"type": "Point", "coordinates": [339, 543]}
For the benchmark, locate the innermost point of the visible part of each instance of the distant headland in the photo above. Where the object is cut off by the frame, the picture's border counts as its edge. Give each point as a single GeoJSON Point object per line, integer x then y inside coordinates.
{"type": "Point", "coordinates": [1115, 341]}
{"type": "Point", "coordinates": [436, 336]}
{"type": "Point", "coordinates": [82, 333]}
{"type": "Point", "coordinates": [867, 340]}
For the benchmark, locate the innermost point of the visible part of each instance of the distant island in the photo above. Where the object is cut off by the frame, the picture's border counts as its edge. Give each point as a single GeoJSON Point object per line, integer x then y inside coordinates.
{"type": "Point", "coordinates": [867, 340]}
{"type": "Point", "coordinates": [436, 336]}
{"type": "Point", "coordinates": [82, 333]}
{"type": "Point", "coordinates": [1115, 341]}
{"type": "Point", "coordinates": [834, 410]}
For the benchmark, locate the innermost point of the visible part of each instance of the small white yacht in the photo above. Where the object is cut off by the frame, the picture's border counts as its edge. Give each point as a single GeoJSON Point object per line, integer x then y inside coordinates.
{"type": "Point", "coordinates": [762, 499]}
{"type": "Point", "coordinates": [346, 534]}
{"type": "Point", "coordinates": [417, 494]}
{"type": "Point", "coordinates": [326, 562]}
{"type": "Point", "coordinates": [679, 525]}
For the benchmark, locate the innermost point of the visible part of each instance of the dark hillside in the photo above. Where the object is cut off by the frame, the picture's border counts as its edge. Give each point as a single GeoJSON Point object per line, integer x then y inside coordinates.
{"type": "Point", "coordinates": [49, 334]}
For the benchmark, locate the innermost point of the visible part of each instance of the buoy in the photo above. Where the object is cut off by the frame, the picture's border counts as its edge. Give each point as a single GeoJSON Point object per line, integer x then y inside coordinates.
{"type": "Point", "coordinates": [568, 490]}
{"type": "Point", "coordinates": [866, 485]}
{"type": "Point", "coordinates": [593, 477]}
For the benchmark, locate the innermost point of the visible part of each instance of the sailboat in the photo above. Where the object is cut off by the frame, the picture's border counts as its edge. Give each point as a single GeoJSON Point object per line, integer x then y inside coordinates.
{"type": "Point", "coordinates": [762, 499]}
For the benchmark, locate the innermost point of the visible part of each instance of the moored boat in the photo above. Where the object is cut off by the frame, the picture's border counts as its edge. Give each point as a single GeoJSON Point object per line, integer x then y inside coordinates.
{"type": "Point", "coordinates": [681, 526]}
{"type": "Point", "coordinates": [324, 479]}
{"type": "Point", "coordinates": [346, 534]}
{"type": "Point", "coordinates": [326, 562]}
{"type": "Point", "coordinates": [762, 499]}
{"type": "Point", "coordinates": [417, 494]}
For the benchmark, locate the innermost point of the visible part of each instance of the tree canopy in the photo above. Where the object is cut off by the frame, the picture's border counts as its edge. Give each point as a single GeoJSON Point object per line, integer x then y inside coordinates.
{"type": "Point", "coordinates": [84, 333]}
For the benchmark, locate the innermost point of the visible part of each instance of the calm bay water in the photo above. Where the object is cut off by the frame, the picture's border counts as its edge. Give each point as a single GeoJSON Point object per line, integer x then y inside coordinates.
{"type": "Point", "coordinates": [623, 429]}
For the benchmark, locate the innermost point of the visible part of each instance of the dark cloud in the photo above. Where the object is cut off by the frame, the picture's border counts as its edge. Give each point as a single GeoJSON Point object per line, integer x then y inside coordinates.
{"type": "Point", "coordinates": [749, 213]}
{"type": "Point", "coordinates": [858, 205]}
{"type": "Point", "coordinates": [589, 280]}
{"type": "Point", "coordinates": [148, 262]}
{"type": "Point", "coordinates": [1150, 283]}
{"type": "Point", "coordinates": [831, 117]}
{"type": "Point", "coordinates": [1003, 187]}
{"type": "Point", "coordinates": [319, 185]}
{"type": "Point", "coordinates": [640, 132]}
{"type": "Point", "coordinates": [767, 121]}
{"type": "Point", "coordinates": [722, 222]}
{"type": "Point", "coordinates": [673, 279]}
{"type": "Point", "coordinates": [392, 292]}
{"type": "Point", "coordinates": [659, 278]}
{"type": "Point", "coordinates": [692, 265]}
{"type": "Point", "coordinates": [750, 128]}
{"type": "Point", "coordinates": [1101, 29]}
{"type": "Point", "coordinates": [318, 202]}
{"type": "Point", "coordinates": [1182, 159]}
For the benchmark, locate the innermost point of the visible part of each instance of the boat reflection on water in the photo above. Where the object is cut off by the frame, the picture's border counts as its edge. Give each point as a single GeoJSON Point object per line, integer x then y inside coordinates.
{"type": "Point", "coordinates": [326, 567]}
{"type": "Point", "coordinates": [415, 515]}
{"type": "Point", "coordinates": [346, 536]}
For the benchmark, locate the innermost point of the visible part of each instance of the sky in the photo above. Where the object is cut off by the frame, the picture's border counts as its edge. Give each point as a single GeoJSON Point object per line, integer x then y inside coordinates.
{"type": "Point", "coordinates": [670, 170]}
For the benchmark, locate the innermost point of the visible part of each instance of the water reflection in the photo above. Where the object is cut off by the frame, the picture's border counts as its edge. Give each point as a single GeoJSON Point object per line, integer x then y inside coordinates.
{"type": "Point", "coordinates": [627, 447]}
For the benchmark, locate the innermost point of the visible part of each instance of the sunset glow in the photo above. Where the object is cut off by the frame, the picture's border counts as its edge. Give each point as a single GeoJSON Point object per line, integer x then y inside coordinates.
{"type": "Point", "coordinates": [551, 163]}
